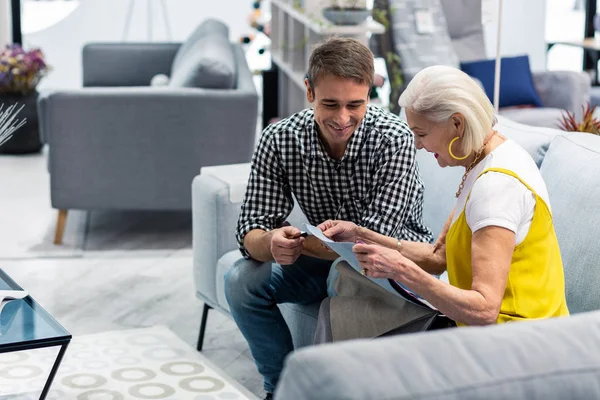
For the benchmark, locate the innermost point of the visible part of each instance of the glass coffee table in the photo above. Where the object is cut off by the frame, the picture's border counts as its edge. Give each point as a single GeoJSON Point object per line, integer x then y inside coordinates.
{"type": "Point", "coordinates": [25, 325]}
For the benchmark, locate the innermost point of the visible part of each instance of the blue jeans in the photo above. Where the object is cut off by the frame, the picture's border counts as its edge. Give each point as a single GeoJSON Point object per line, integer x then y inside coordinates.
{"type": "Point", "coordinates": [253, 291]}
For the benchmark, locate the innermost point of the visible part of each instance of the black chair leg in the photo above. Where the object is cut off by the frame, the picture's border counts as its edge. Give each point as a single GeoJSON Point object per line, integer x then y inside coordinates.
{"type": "Point", "coordinates": [203, 326]}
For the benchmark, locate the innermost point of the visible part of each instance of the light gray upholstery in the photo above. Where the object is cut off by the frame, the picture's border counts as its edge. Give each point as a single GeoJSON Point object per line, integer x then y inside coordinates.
{"type": "Point", "coordinates": [571, 169]}
{"type": "Point", "coordinates": [215, 250]}
{"type": "Point", "coordinates": [213, 233]}
{"type": "Point", "coordinates": [140, 147]}
{"type": "Point", "coordinates": [207, 28]}
{"type": "Point", "coordinates": [535, 140]}
{"type": "Point", "coordinates": [126, 64]}
{"type": "Point", "coordinates": [210, 63]}
{"type": "Point", "coordinates": [595, 96]}
{"type": "Point", "coordinates": [543, 116]}
{"type": "Point", "coordinates": [440, 186]}
{"type": "Point", "coordinates": [564, 90]}
{"type": "Point", "coordinates": [557, 359]}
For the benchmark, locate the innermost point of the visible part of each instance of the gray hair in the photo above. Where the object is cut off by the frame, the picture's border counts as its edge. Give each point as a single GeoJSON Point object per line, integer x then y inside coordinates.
{"type": "Point", "coordinates": [439, 92]}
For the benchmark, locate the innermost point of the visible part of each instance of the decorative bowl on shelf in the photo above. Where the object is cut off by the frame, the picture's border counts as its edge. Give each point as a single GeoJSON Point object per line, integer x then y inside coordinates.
{"type": "Point", "coordinates": [346, 16]}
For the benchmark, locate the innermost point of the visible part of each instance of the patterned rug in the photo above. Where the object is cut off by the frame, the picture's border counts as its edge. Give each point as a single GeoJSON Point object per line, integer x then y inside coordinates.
{"type": "Point", "coordinates": [149, 363]}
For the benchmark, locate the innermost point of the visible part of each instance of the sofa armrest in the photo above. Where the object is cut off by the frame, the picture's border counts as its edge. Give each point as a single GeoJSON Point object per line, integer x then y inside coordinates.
{"type": "Point", "coordinates": [216, 205]}
{"type": "Point", "coordinates": [566, 90]}
{"type": "Point", "coordinates": [547, 359]}
{"type": "Point", "coordinates": [126, 64]}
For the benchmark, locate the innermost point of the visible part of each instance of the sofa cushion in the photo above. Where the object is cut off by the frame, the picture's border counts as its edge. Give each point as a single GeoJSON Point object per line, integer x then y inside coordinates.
{"type": "Point", "coordinates": [208, 27]}
{"type": "Point", "coordinates": [209, 63]}
{"type": "Point", "coordinates": [571, 170]}
{"type": "Point", "coordinates": [440, 186]}
{"type": "Point", "coordinates": [535, 140]}
{"type": "Point", "coordinates": [551, 359]}
{"type": "Point", "coordinates": [516, 82]}
{"type": "Point", "coordinates": [543, 116]}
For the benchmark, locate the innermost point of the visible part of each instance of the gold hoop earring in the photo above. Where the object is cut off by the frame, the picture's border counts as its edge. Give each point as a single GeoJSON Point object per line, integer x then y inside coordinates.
{"type": "Point", "coordinates": [450, 150]}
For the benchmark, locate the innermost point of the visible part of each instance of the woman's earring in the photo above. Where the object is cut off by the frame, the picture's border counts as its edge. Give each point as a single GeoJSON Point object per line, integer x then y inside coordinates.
{"type": "Point", "coordinates": [450, 150]}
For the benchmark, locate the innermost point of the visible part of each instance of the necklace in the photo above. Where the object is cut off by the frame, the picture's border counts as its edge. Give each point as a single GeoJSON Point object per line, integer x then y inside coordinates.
{"type": "Point", "coordinates": [473, 163]}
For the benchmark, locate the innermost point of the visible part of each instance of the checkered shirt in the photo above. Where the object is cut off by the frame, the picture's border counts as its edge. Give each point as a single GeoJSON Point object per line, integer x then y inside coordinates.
{"type": "Point", "coordinates": [375, 184]}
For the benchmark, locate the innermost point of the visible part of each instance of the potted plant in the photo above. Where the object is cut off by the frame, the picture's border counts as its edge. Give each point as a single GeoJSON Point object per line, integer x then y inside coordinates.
{"type": "Point", "coordinates": [589, 123]}
{"type": "Point", "coordinates": [347, 12]}
{"type": "Point", "coordinates": [20, 73]}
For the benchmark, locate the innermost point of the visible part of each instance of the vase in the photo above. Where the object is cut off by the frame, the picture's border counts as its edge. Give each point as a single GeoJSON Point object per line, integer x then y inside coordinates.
{"type": "Point", "coordinates": [346, 16]}
{"type": "Point", "coordinates": [26, 139]}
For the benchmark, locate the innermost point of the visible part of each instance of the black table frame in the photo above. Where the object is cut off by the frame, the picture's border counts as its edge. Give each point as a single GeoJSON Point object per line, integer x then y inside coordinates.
{"type": "Point", "coordinates": [62, 341]}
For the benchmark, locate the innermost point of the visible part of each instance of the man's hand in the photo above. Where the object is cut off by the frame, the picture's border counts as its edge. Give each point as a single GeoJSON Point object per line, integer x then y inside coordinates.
{"type": "Point", "coordinates": [339, 231]}
{"type": "Point", "coordinates": [286, 245]}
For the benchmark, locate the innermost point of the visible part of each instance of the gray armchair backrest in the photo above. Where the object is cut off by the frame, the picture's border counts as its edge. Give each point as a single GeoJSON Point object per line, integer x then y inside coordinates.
{"type": "Point", "coordinates": [126, 64]}
{"type": "Point", "coordinates": [463, 18]}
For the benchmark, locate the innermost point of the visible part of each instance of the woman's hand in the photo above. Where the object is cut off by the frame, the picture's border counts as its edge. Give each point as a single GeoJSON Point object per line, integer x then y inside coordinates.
{"type": "Point", "coordinates": [339, 231]}
{"type": "Point", "coordinates": [382, 262]}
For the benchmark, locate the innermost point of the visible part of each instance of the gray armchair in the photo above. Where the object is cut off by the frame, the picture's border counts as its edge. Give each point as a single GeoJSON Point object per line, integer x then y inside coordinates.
{"type": "Point", "coordinates": [119, 143]}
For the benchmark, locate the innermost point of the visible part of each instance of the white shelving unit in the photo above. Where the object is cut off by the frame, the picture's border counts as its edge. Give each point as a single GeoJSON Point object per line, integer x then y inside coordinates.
{"type": "Point", "coordinates": [294, 33]}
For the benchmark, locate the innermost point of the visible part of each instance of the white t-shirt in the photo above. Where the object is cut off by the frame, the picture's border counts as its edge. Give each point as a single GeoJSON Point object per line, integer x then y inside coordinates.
{"type": "Point", "coordinates": [501, 200]}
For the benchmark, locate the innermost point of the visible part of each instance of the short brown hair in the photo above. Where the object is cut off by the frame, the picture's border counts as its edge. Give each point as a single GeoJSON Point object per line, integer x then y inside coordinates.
{"type": "Point", "coordinates": [344, 57]}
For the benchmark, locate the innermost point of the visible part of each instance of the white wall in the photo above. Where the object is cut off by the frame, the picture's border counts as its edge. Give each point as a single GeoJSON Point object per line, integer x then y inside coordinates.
{"type": "Point", "coordinates": [5, 25]}
{"type": "Point", "coordinates": [103, 20]}
{"type": "Point", "coordinates": [523, 31]}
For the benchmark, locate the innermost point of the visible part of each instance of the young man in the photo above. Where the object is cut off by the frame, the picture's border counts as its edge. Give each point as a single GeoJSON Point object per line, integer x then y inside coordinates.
{"type": "Point", "coordinates": [343, 159]}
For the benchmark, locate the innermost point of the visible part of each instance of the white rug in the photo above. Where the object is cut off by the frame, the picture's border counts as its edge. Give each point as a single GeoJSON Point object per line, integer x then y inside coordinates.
{"type": "Point", "coordinates": [149, 363]}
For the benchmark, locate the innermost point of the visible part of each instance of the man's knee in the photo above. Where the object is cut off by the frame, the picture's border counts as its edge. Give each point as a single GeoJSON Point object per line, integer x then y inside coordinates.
{"type": "Point", "coordinates": [244, 278]}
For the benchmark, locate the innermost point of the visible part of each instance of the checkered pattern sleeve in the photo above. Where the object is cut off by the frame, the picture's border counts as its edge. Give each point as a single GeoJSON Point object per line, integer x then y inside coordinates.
{"type": "Point", "coordinates": [396, 188]}
{"type": "Point", "coordinates": [268, 200]}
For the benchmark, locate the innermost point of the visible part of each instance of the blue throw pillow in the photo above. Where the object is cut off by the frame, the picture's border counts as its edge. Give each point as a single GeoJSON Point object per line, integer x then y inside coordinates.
{"type": "Point", "coordinates": [516, 82]}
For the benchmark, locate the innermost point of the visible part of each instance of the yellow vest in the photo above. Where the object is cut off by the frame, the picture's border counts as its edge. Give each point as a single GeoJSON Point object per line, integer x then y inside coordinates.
{"type": "Point", "coordinates": [536, 285]}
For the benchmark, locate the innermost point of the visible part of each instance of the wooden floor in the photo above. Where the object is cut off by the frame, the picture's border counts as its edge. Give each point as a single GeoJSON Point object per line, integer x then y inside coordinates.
{"type": "Point", "coordinates": [112, 286]}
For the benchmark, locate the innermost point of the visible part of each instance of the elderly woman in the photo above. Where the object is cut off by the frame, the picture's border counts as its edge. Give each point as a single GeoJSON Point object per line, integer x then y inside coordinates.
{"type": "Point", "coordinates": [498, 246]}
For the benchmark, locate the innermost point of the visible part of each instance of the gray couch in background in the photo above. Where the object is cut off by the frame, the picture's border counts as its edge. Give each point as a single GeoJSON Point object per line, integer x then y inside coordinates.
{"type": "Point", "coordinates": [119, 143]}
{"type": "Point", "coordinates": [570, 164]}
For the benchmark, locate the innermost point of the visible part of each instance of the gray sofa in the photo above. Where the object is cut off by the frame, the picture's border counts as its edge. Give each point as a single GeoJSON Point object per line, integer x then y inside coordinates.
{"type": "Point", "coordinates": [570, 164]}
{"type": "Point", "coordinates": [119, 143]}
{"type": "Point", "coordinates": [552, 359]}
